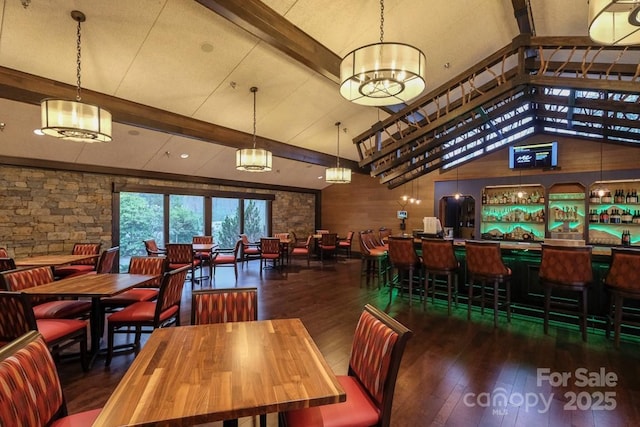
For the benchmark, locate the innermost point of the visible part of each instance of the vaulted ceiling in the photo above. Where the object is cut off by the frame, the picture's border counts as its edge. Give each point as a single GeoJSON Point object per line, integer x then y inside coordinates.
{"type": "Point", "coordinates": [176, 76]}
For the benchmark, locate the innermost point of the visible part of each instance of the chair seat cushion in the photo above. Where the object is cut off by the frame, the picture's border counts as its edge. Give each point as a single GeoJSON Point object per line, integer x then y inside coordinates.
{"type": "Point", "coordinates": [328, 247]}
{"type": "Point", "coordinates": [270, 256]}
{"type": "Point", "coordinates": [54, 329]}
{"type": "Point", "coordinates": [196, 262]}
{"type": "Point", "coordinates": [140, 312]}
{"type": "Point", "coordinates": [131, 296]}
{"type": "Point", "coordinates": [299, 251]}
{"type": "Point", "coordinates": [251, 251]}
{"type": "Point", "coordinates": [346, 244]}
{"type": "Point", "coordinates": [224, 259]}
{"type": "Point", "coordinates": [357, 411]}
{"type": "Point", "coordinates": [81, 419]}
{"type": "Point", "coordinates": [61, 309]}
{"type": "Point", "coordinates": [68, 270]}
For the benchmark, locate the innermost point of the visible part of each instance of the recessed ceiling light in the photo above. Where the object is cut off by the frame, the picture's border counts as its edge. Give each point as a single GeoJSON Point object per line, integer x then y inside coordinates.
{"type": "Point", "coordinates": [184, 155]}
{"type": "Point", "coordinates": [206, 47]}
{"type": "Point", "coordinates": [38, 132]}
{"type": "Point", "coordinates": [134, 132]}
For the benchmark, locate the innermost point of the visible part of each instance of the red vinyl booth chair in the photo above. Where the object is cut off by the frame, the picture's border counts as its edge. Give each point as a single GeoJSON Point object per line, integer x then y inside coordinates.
{"type": "Point", "coordinates": [622, 283]}
{"type": "Point", "coordinates": [378, 346]}
{"type": "Point", "coordinates": [32, 394]}
{"type": "Point", "coordinates": [16, 319]}
{"type": "Point", "coordinates": [43, 307]}
{"type": "Point", "coordinates": [80, 267]}
{"type": "Point", "coordinates": [148, 315]}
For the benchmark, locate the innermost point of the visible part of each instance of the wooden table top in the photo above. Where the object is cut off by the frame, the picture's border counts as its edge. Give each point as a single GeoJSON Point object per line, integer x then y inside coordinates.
{"type": "Point", "coordinates": [51, 260]}
{"type": "Point", "coordinates": [196, 374]}
{"type": "Point", "coordinates": [91, 285]}
{"type": "Point", "coordinates": [203, 247]}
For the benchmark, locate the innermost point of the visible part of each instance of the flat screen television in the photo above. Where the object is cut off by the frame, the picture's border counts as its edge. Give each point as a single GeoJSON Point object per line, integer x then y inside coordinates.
{"type": "Point", "coordinates": [402, 214]}
{"type": "Point", "coordinates": [543, 155]}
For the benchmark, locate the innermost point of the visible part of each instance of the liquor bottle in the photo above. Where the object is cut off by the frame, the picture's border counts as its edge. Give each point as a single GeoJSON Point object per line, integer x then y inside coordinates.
{"type": "Point", "coordinates": [626, 238]}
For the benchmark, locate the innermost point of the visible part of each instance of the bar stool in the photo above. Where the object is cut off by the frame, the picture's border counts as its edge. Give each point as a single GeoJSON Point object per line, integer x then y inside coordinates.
{"type": "Point", "coordinates": [403, 256]}
{"type": "Point", "coordinates": [375, 261]}
{"type": "Point", "coordinates": [485, 265]}
{"type": "Point", "coordinates": [566, 268]}
{"type": "Point", "coordinates": [439, 259]}
{"type": "Point", "coordinates": [622, 282]}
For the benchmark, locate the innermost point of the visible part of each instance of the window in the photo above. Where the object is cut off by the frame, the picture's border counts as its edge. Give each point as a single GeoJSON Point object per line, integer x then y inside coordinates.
{"type": "Point", "coordinates": [225, 223]}
{"type": "Point", "coordinates": [186, 218]}
{"type": "Point", "coordinates": [255, 219]}
{"type": "Point", "coordinates": [141, 218]}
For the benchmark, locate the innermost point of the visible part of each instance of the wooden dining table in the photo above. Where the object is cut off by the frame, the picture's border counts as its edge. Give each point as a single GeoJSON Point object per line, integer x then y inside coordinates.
{"type": "Point", "coordinates": [94, 286]}
{"type": "Point", "coordinates": [189, 375]}
{"type": "Point", "coordinates": [51, 260]}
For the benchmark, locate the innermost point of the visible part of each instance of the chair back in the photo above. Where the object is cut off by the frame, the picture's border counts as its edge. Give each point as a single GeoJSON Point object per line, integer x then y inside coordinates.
{"type": "Point", "coordinates": [485, 258]}
{"type": "Point", "coordinates": [202, 239]}
{"type": "Point", "coordinates": [152, 248]}
{"type": "Point", "coordinates": [384, 233]}
{"type": "Point", "coordinates": [170, 294]}
{"type": "Point", "coordinates": [322, 231]}
{"type": "Point", "coordinates": [378, 345]}
{"type": "Point", "coordinates": [269, 246]}
{"type": "Point", "coordinates": [149, 265]}
{"type": "Point", "coordinates": [7, 264]}
{"type": "Point", "coordinates": [224, 305]}
{"type": "Point", "coordinates": [16, 316]}
{"type": "Point", "coordinates": [107, 260]}
{"type": "Point", "coordinates": [179, 254]}
{"type": "Point", "coordinates": [17, 280]}
{"type": "Point", "coordinates": [281, 236]}
{"type": "Point", "coordinates": [329, 240]}
{"type": "Point", "coordinates": [32, 393]}
{"type": "Point", "coordinates": [349, 237]}
{"type": "Point", "coordinates": [623, 273]}
{"type": "Point", "coordinates": [566, 265]}
{"type": "Point", "coordinates": [4, 253]}
{"type": "Point", "coordinates": [86, 249]}
{"type": "Point", "coordinates": [438, 254]}
{"type": "Point", "coordinates": [402, 252]}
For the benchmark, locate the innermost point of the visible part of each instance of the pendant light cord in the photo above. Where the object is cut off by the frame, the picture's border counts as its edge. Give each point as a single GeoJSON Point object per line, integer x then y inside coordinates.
{"type": "Point", "coordinates": [254, 90]}
{"type": "Point", "coordinates": [381, 20]}
{"type": "Point", "coordinates": [78, 58]}
{"type": "Point", "coordinates": [338, 151]}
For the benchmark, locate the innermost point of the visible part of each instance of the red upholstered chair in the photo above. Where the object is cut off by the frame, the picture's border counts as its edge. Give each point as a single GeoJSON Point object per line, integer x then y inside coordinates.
{"type": "Point", "coordinates": [227, 258]}
{"type": "Point", "coordinates": [378, 346]}
{"type": "Point", "coordinates": [7, 264]}
{"type": "Point", "coordinates": [383, 234]}
{"type": "Point", "coordinates": [4, 253]}
{"type": "Point", "coordinates": [249, 250]}
{"type": "Point", "coordinates": [345, 244]}
{"type": "Point", "coordinates": [485, 266]}
{"type": "Point", "coordinates": [43, 307]}
{"type": "Point", "coordinates": [566, 269]}
{"type": "Point", "coordinates": [78, 267]}
{"type": "Point", "coordinates": [203, 256]}
{"type": "Point", "coordinates": [622, 283]}
{"type": "Point", "coordinates": [31, 390]}
{"type": "Point", "coordinates": [328, 244]}
{"type": "Point", "coordinates": [439, 259]}
{"type": "Point", "coordinates": [181, 255]}
{"type": "Point", "coordinates": [224, 305]}
{"type": "Point", "coordinates": [270, 251]}
{"type": "Point", "coordinates": [16, 319]}
{"type": "Point", "coordinates": [106, 262]}
{"type": "Point", "coordinates": [303, 250]}
{"type": "Point", "coordinates": [152, 248]}
{"type": "Point", "coordinates": [154, 265]}
{"type": "Point", "coordinates": [145, 316]}
{"type": "Point", "coordinates": [403, 257]}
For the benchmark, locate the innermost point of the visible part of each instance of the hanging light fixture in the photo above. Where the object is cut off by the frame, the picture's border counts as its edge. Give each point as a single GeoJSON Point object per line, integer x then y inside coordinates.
{"type": "Point", "coordinates": [521, 192]}
{"type": "Point", "coordinates": [614, 22]}
{"type": "Point", "coordinates": [601, 189]}
{"type": "Point", "coordinates": [253, 159]}
{"type": "Point", "coordinates": [75, 120]}
{"type": "Point", "coordinates": [457, 194]}
{"type": "Point", "coordinates": [338, 175]}
{"type": "Point", "coordinates": [382, 73]}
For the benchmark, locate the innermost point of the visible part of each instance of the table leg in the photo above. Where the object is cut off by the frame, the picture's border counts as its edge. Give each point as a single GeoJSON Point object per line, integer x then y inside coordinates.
{"type": "Point", "coordinates": [97, 325]}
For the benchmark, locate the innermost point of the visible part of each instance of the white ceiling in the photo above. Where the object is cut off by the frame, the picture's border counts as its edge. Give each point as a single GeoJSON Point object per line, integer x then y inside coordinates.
{"type": "Point", "coordinates": [179, 56]}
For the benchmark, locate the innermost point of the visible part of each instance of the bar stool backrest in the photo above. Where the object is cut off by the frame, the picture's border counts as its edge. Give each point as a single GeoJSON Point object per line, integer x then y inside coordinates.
{"type": "Point", "coordinates": [624, 270]}
{"type": "Point", "coordinates": [438, 254]}
{"type": "Point", "coordinates": [568, 265]}
{"type": "Point", "coordinates": [402, 253]}
{"type": "Point", "coordinates": [485, 258]}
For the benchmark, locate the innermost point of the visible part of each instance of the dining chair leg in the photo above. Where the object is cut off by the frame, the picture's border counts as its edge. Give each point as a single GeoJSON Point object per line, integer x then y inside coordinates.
{"type": "Point", "coordinates": [617, 320]}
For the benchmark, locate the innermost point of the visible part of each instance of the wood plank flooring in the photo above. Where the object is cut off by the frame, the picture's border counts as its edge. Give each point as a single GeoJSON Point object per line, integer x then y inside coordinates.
{"type": "Point", "coordinates": [454, 372]}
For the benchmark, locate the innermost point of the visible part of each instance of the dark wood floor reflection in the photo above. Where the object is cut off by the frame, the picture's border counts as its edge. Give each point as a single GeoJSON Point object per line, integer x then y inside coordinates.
{"type": "Point", "coordinates": [454, 372]}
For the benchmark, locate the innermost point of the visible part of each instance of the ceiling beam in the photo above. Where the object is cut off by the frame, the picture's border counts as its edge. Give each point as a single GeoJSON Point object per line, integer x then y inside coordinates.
{"type": "Point", "coordinates": [524, 17]}
{"type": "Point", "coordinates": [263, 22]}
{"type": "Point", "coordinates": [30, 89]}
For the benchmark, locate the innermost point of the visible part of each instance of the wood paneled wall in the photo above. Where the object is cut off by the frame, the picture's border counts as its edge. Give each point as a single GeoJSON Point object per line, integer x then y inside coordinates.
{"type": "Point", "coordinates": [365, 203]}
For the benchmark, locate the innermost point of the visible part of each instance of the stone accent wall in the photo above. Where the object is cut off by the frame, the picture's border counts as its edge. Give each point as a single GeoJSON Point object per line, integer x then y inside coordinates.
{"type": "Point", "coordinates": [44, 211]}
